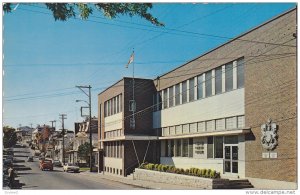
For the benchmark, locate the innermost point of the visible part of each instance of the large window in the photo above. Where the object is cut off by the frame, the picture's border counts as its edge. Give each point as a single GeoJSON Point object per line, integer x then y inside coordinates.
{"type": "Point", "coordinates": [184, 92]}
{"type": "Point", "coordinates": [218, 145]}
{"type": "Point", "coordinates": [171, 97]}
{"type": "Point", "coordinates": [218, 80]}
{"type": "Point", "coordinates": [172, 145]}
{"type": "Point", "coordinates": [178, 147]}
{"type": "Point", "coordinates": [229, 77]}
{"type": "Point", "coordinates": [177, 94]}
{"type": "Point", "coordinates": [185, 145]}
{"type": "Point", "coordinates": [210, 147]}
{"type": "Point", "coordinates": [191, 90]}
{"type": "Point", "coordinates": [240, 73]}
{"type": "Point", "coordinates": [200, 87]}
{"type": "Point", "coordinates": [165, 98]}
{"type": "Point", "coordinates": [113, 106]}
{"type": "Point", "coordinates": [208, 88]}
{"type": "Point", "coordinates": [191, 147]}
{"type": "Point", "coordinates": [159, 100]}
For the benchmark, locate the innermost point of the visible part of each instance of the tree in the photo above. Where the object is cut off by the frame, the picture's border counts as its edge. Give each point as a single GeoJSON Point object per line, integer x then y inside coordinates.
{"type": "Point", "coordinates": [84, 151]}
{"type": "Point", "coordinates": [9, 137]}
{"type": "Point", "coordinates": [65, 11]}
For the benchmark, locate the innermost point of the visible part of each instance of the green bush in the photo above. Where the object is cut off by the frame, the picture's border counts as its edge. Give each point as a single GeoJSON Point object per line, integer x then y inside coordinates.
{"type": "Point", "coordinates": [208, 173]}
{"type": "Point", "coordinates": [187, 172]}
{"type": "Point", "coordinates": [213, 174]}
{"type": "Point", "coordinates": [204, 172]}
{"type": "Point", "coordinates": [195, 171]}
{"type": "Point", "coordinates": [199, 173]}
{"type": "Point", "coordinates": [159, 168]}
{"type": "Point", "coordinates": [164, 168]}
{"type": "Point", "coordinates": [155, 166]}
{"type": "Point", "coordinates": [150, 166]}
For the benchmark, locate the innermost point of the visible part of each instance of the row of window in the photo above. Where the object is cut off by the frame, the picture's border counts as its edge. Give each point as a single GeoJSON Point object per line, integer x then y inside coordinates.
{"type": "Point", "coordinates": [190, 148]}
{"type": "Point", "coordinates": [113, 170]}
{"type": "Point", "coordinates": [211, 125]}
{"type": "Point", "coordinates": [113, 149]}
{"type": "Point", "coordinates": [113, 106]}
{"type": "Point", "coordinates": [114, 133]}
{"type": "Point", "coordinates": [224, 78]}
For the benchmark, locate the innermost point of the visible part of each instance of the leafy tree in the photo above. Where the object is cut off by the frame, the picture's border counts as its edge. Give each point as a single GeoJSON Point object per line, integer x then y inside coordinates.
{"type": "Point", "coordinates": [64, 11]}
{"type": "Point", "coordinates": [9, 137]}
{"type": "Point", "coordinates": [84, 151]}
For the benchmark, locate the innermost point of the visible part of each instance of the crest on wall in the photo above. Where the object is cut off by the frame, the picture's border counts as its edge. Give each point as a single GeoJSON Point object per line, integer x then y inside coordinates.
{"type": "Point", "coordinates": [269, 138]}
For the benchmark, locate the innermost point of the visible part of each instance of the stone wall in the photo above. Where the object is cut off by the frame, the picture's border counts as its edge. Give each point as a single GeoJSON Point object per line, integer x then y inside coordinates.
{"type": "Point", "coordinates": [177, 179]}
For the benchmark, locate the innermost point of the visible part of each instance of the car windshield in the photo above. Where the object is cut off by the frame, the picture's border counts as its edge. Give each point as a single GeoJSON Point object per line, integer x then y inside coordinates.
{"type": "Point", "coordinates": [47, 161]}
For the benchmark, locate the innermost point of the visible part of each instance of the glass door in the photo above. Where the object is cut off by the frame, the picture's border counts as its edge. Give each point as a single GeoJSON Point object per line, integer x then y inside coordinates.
{"type": "Point", "coordinates": [231, 159]}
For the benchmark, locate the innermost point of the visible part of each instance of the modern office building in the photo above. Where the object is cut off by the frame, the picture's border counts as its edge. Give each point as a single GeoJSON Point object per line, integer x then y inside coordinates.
{"type": "Point", "coordinates": [126, 141]}
{"type": "Point", "coordinates": [232, 109]}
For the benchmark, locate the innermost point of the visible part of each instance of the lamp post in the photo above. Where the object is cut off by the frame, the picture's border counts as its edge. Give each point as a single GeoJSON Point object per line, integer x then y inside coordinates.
{"type": "Point", "coordinates": [90, 118]}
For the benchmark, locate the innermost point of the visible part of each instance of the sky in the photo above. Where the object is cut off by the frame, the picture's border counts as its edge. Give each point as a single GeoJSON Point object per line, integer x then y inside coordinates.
{"type": "Point", "coordinates": [45, 59]}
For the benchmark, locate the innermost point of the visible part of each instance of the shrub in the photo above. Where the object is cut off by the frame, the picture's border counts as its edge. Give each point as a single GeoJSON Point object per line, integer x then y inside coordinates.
{"type": "Point", "coordinates": [199, 173]}
{"type": "Point", "coordinates": [164, 168]}
{"type": "Point", "coordinates": [187, 172]}
{"type": "Point", "coordinates": [156, 166]}
{"type": "Point", "coordinates": [159, 168]}
{"type": "Point", "coordinates": [208, 173]}
{"type": "Point", "coordinates": [203, 172]}
{"type": "Point", "coordinates": [150, 166]}
{"type": "Point", "coordinates": [213, 174]}
{"type": "Point", "coordinates": [195, 171]}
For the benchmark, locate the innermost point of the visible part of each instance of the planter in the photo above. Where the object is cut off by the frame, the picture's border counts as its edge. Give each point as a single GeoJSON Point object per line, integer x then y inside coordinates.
{"type": "Point", "coordinates": [178, 179]}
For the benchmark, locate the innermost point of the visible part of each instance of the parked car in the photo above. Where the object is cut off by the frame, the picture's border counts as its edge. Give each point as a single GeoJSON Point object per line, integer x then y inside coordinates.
{"type": "Point", "coordinates": [71, 167]}
{"type": "Point", "coordinates": [30, 159]}
{"type": "Point", "coordinates": [57, 163]}
{"type": "Point", "coordinates": [46, 164]}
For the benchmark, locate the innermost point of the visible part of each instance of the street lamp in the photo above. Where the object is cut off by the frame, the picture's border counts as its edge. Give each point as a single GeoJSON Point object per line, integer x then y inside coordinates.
{"type": "Point", "coordinates": [90, 117]}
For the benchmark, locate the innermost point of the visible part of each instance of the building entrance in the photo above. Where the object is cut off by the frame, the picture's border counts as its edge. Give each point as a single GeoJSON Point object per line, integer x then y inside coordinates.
{"type": "Point", "coordinates": [231, 159]}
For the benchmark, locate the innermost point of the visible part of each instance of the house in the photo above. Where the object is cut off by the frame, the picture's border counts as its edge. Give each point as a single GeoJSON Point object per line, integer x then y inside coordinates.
{"type": "Point", "coordinates": [82, 136]}
{"type": "Point", "coordinates": [63, 145]}
{"type": "Point", "coordinates": [232, 109]}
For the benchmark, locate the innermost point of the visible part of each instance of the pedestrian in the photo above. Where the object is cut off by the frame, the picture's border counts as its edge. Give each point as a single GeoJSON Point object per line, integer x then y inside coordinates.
{"type": "Point", "coordinates": [11, 175]}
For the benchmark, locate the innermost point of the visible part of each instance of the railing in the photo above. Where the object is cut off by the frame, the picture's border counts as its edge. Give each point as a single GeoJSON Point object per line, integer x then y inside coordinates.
{"type": "Point", "coordinates": [129, 169]}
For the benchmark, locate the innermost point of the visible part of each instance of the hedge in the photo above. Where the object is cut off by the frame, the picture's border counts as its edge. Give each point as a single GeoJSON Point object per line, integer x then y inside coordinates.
{"type": "Point", "coordinates": [207, 173]}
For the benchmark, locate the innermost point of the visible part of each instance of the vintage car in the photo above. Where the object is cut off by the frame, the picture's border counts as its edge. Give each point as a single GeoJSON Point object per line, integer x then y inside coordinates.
{"type": "Point", "coordinates": [71, 167]}
{"type": "Point", "coordinates": [46, 164]}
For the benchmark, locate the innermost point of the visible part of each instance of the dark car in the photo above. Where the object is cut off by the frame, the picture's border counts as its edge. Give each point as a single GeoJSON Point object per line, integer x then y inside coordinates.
{"type": "Point", "coordinates": [57, 163]}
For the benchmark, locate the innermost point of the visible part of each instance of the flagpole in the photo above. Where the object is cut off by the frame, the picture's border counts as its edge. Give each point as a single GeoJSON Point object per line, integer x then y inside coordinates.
{"type": "Point", "coordinates": [133, 119]}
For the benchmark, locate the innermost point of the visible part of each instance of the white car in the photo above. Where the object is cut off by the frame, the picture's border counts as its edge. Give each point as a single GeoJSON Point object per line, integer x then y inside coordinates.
{"type": "Point", "coordinates": [71, 167]}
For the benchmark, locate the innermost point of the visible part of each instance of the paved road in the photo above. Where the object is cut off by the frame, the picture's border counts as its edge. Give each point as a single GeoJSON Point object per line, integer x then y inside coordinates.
{"type": "Point", "coordinates": [32, 177]}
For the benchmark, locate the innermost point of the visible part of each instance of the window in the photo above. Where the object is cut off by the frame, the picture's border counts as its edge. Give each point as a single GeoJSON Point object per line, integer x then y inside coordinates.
{"type": "Point", "coordinates": [228, 77]}
{"type": "Point", "coordinates": [177, 94]}
{"type": "Point", "coordinates": [118, 104]}
{"type": "Point", "coordinates": [165, 98]}
{"type": "Point", "coordinates": [165, 131]}
{"type": "Point", "coordinates": [191, 90]}
{"type": "Point", "coordinates": [201, 126]}
{"type": "Point", "coordinates": [210, 147]}
{"type": "Point", "coordinates": [210, 125]}
{"type": "Point", "coordinates": [185, 145]}
{"type": "Point", "coordinates": [193, 127]}
{"type": "Point", "coordinates": [105, 109]}
{"type": "Point", "coordinates": [185, 129]}
{"type": "Point", "coordinates": [241, 121]}
{"type": "Point", "coordinates": [218, 145]}
{"type": "Point", "coordinates": [240, 73]}
{"type": "Point", "coordinates": [220, 124]}
{"type": "Point", "coordinates": [172, 145]}
{"type": "Point", "coordinates": [159, 100]}
{"type": "Point", "coordinates": [191, 147]}
{"type": "Point", "coordinates": [121, 100]}
{"type": "Point", "coordinates": [171, 97]}
{"type": "Point", "coordinates": [200, 87]}
{"type": "Point", "coordinates": [113, 106]}
{"type": "Point", "coordinates": [166, 142]}
{"type": "Point", "coordinates": [178, 147]}
{"type": "Point", "coordinates": [117, 149]}
{"type": "Point", "coordinates": [231, 123]}
{"type": "Point", "coordinates": [184, 92]}
{"type": "Point", "coordinates": [208, 87]}
{"type": "Point", "coordinates": [155, 108]}
{"type": "Point", "coordinates": [108, 108]}
{"type": "Point", "coordinates": [172, 130]}
{"type": "Point", "coordinates": [178, 129]}
{"type": "Point", "coordinates": [218, 80]}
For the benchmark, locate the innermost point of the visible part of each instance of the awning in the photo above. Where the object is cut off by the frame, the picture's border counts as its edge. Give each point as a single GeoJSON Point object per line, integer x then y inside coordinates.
{"type": "Point", "coordinates": [209, 133]}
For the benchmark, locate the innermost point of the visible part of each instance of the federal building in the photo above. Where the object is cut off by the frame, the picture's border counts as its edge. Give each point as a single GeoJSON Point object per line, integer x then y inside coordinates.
{"type": "Point", "coordinates": [232, 109]}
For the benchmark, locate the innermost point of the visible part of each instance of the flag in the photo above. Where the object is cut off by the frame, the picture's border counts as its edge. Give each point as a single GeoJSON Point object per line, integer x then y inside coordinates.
{"type": "Point", "coordinates": [130, 60]}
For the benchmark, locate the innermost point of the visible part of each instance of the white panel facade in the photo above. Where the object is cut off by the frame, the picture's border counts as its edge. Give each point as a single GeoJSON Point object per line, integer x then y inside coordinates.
{"type": "Point", "coordinates": [219, 106]}
{"type": "Point", "coordinates": [113, 122]}
{"type": "Point", "coordinates": [113, 162]}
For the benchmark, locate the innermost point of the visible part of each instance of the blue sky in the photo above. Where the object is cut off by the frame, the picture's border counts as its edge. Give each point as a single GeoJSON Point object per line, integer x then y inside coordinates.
{"type": "Point", "coordinates": [45, 59]}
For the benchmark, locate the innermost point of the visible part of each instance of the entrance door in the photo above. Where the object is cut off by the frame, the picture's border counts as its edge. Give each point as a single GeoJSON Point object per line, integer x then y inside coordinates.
{"type": "Point", "coordinates": [231, 159]}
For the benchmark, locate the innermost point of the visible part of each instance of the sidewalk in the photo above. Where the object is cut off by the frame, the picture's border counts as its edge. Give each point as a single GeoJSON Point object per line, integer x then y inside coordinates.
{"type": "Point", "coordinates": [139, 183]}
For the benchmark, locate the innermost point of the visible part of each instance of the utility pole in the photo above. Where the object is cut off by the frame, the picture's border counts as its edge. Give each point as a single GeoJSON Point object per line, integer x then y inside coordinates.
{"type": "Point", "coordinates": [63, 117]}
{"type": "Point", "coordinates": [54, 121]}
{"type": "Point", "coordinates": [90, 119]}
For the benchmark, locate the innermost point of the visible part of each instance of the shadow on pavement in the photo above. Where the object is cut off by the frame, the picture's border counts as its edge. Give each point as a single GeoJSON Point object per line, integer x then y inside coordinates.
{"type": "Point", "coordinates": [28, 173]}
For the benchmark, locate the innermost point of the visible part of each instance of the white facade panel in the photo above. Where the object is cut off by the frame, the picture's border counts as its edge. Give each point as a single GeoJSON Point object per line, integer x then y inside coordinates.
{"type": "Point", "coordinates": [219, 106]}
{"type": "Point", "coordinates": [113, 122]}
{"type": "Point", "coordinates": [113, 162]}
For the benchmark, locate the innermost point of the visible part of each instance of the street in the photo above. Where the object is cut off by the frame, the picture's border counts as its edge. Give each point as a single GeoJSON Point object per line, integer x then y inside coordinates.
{"type": "Point", "coordinates": [31, 177]}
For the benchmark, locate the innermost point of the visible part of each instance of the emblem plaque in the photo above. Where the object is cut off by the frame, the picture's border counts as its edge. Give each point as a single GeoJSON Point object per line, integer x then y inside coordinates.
{"type": "Point", "coordinates": [269, 138]}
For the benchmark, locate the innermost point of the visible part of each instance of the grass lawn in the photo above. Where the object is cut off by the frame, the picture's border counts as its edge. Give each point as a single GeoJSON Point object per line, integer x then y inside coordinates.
{"type": "Point", "coordinates": [84, 168]}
